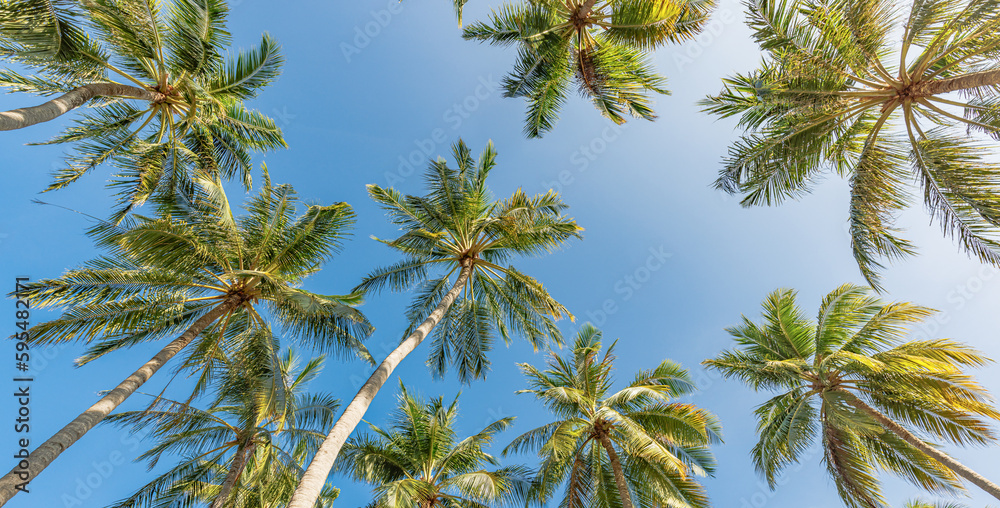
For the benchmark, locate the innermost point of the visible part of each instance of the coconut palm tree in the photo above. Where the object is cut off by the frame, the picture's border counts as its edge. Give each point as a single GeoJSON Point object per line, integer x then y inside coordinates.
{"type": "Point", "coordinates": [918, 503]}
{"type": "Point", "coordinates": [631, 447]}
{"type": "Point", "coordinates": [459, 7]}
{"type": "Point", "coordinates": [835, 92]}
{"type": "Point", "coordinates": [457, 242]}
{"type": "Point", "coordinates": [419, 460]}
{"type": "Point", "coordinates": [197, 269]}
{"type": "Point", "coordinates": [850, 380]}
{"type": "Point", "coordinates": [166, 99]}
{"type": "Point", "coordinates": [603, 44]}
{"type": "Point", "coordinates": [249, 445]}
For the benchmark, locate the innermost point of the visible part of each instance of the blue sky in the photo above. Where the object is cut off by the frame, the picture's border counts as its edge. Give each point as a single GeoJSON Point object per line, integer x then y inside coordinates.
{"type": "Point", "coordinates": [353, 107]}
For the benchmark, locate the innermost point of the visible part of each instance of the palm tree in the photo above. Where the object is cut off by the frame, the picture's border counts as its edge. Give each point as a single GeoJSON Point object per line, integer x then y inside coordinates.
{"type": "Point", "coordinates": [917, 503]}
{"type": "Point", "coordinates": [262, 419]}
{"type": "Point", "coordinates": [459, 7]}
{"type": "Point", "coordinates": [832, 92]}
{"type": "Point", "coordinates": [197, 269]}
{"type": "Point", "coordinates": [457, 229]}
{"type": "Point", "coordinates": [612, 450]}
{"type": "Point", "coordinates": [603, 44]}
{"type": "Point", "coordinates": [874, 393]}
{"type": "Point", "coordinates": [166, 97]}
{"type": "Point", "coordinates": [419, 461]}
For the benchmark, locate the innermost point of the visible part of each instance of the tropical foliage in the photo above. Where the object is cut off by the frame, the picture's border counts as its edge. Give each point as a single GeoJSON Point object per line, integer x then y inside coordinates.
{"type": "Point", "coordinates": [917, 503]}
{"type": "Point", "coordinates": [851, 380]}
{"type": "Point", "coordinates": [161, 274]}
{"type": "Point", "coordinates": [245, 449]}
{"type": "Point", "coordinates": [633, 447]}
{"type": "Point", "coordinates": [458, 229]}
{"type": "Point", "coordinates": [199, 268]}
{"type": "Point", "coordinates": [602, 45]}
{"type": "Point", "coordinates": [420, 461]}
{"type": "Point", "coordinates": [167, 101]}
{"type": "Point", "coordinates": [879, 93]}
{"type": "Point", "coordinates": [835, 92]}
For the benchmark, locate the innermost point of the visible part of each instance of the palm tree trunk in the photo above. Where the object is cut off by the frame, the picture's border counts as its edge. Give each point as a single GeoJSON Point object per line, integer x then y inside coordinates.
{"type": "Point", "coordinates": [39, 459]}
{"type": "Point", "coordinates": [23, 117]}
{"type": "Point", "coordinates": [312, 482]}
{"type": "Point", "coordinates": [956, 466]}
{"type": "Point", "coordinates": [236, 468]}
{"type": "Point", "coordinates": [965, 82]}
{"type": "Point", "coordinates": [616, 466]}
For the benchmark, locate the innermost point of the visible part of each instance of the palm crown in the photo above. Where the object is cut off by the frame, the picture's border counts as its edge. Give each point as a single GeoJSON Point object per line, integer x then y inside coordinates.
{"type": "Point", "coordinates": [199, 271]}
{"type": "Point", "coordinates": [253, 438]}
{"type": "Point", "coordinates": [839, 374]}
{"type": "Point", "coordinates": [168, 56]}
{"type": "Point", "coordinates": [420, 461]}
{"type": "Point", "coordinates": [162, 274]}
{"type": "Point", "coordinates": [662, 444]}
{"type": "Point", "coordinates": [834, 93]}
{"type": "Point", "coordinates": [603, 44]}
{"type": "Point", "coordinates": [456, 228]}
{"type": "Point", "coordinates": [459, 227]}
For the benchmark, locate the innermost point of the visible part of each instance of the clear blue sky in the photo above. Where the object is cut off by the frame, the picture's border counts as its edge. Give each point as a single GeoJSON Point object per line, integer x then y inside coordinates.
{"type": "Point", "coordinates": [350, 116]}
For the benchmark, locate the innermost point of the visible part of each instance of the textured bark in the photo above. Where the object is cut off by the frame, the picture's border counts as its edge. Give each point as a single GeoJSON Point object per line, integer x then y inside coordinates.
{"type": "Point", "coordinates": [23, 117]}
{"type": "Point", "coordinates": [616, 467]}
{"type": "Point", "coordinates": [956, 466]}
{"type": "Point", "coordinates": [312, 482]}
{"type": "Point", "coordinates": [39, 459]}
{"type": "Point", "coordinates": [974, 80]}
{"type": "Point", "coordinates": [236, 468]}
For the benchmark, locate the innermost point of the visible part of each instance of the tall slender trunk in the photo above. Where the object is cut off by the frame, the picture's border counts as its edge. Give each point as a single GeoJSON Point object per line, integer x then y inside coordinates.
{"type": "Point", "coordinates": [616, 467]}
{"type": "Point", "coordinates": [39, 459]}
{"type": "Point", "coordinates": [236, 467]}
{"type": "Point", "coordinates": [23, 117]}
{"type": "Point", "coordinates": [312, 482]}
{"type": "Point", "coordinates": [965, 82]}
{"type": "Point", "coordinates": [956, 466]}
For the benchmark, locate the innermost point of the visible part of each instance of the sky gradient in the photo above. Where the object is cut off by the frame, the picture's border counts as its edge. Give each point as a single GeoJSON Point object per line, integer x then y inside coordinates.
{"type": "Point", "coordinates": [666, 262]}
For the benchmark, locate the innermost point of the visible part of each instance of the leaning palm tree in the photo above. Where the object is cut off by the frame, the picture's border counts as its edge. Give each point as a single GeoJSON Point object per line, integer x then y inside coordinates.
{"type": "Point", "coordinates": [617, 450]}
{"type": "Point", "coordinates": [457, 241]}
{"type": "Point", "coordinates": [165, 97]}
{"type": "Point", "coordinates": [205, 275]}
{"type": "Point", "coordinates": [835, 92]}
{"type": "Point", "coordinates": [850, 380]}
{"type": "Point", "coordinates": [419, 460]}
{"type": "Point", "coordinates": [249, 444]}
{"type": "Point", "coordinates": [603, 44]}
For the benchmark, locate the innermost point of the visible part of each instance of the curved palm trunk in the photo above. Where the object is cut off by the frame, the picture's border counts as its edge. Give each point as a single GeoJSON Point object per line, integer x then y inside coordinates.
{"type": "Point", "coordinates": [956, 466]}
{"type": "Point", "coordinates": [236, 467]}
{"type": "Point", "coordinates": [616, 466]}
{"type": "Point", "coordinates": [312, 482]}
{"type": "Point", "coordinates": [23, 117]}
{"type": "Point", "coordinates": [965, 82]}
{"type": "Point", "coordinates": [39, 459]}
